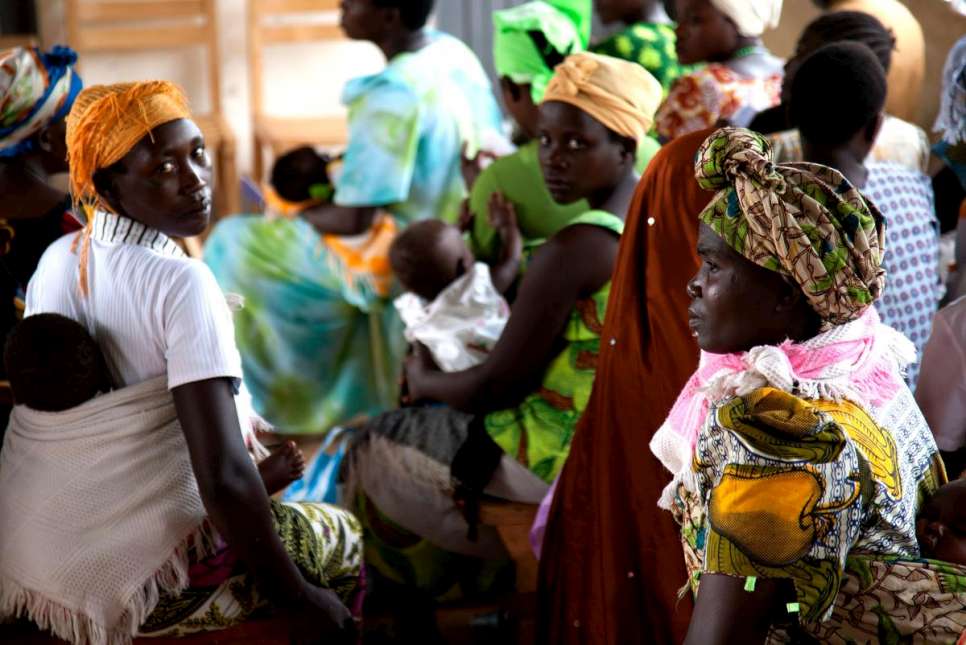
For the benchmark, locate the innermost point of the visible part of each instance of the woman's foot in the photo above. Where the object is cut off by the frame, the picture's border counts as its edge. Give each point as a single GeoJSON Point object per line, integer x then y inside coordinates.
{"type": "Point", "coordinates": [282, 467]}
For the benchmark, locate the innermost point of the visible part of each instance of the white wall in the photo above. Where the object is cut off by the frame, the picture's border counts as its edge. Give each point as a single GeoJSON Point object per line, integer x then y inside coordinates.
{"type": "Point", "coordinates": [300, 80]}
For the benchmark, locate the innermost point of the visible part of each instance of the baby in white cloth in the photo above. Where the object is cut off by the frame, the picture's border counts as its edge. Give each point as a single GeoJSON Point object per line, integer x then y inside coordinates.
{"type": "Point", "coordinates": [454, 305]}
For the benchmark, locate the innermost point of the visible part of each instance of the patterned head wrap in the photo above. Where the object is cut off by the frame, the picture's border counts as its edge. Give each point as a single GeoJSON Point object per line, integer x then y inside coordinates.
{"type": "Point", "coordinates": [529, 39]}
{"type": "Point", "coordinates": [104, 124]}
{"type": "Point", "coordinates": [803, 220]}
{"type": "Point", "coordinates": [620, 94]}
{"type": "Point", "coordinates": [36, 89]}
{"type": "Point", "coordinates": [752, 17]}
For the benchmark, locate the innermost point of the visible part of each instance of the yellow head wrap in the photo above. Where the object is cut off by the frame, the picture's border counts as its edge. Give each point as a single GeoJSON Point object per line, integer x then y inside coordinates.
{"type": "Point", "coordinates": [620, 94]}
{"type": "Point", "coordinates": [104, 124]}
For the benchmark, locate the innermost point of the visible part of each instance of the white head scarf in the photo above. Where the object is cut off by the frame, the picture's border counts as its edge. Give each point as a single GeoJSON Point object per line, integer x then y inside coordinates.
{"type": "Point", "coordinates": [752, 17]}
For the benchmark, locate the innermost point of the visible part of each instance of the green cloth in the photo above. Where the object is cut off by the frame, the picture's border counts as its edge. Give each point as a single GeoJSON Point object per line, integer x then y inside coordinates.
{"type": "Point", "coordinates": [516, 55]}
{"type": "Point", "coordinates": [539, 430]}
{"type": "Point", "coordinates": [581, 13]}
{"type": "Point", "coordinates": [651, 45]}
{"type": "Point", "coordinates": [519, 177]}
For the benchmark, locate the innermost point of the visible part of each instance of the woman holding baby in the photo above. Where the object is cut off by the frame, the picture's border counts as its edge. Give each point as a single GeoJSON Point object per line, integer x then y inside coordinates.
{"type": "Point", "coordinates": [507, 422]}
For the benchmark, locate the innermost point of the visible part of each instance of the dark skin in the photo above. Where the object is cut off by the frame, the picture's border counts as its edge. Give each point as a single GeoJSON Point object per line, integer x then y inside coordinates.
{"type": "Point", "coordinates": [941, 527]}
{"type": "Point", "coordinates": [586, 162]}
{"type": "Point", "coordinates": [847, 157]}
{"type": "Point", "coordinates": [737, 305]}
{"type": "Point", "coordinates": [25, 180]}
{"type": "Point", "coordinates": [705, 35]}
{"type": "Point", "coordinates": [628, 12]}
{"type": "Point", "coordinates": [165, 182]}
{"type": "Point", "coordinates": [383, 27]}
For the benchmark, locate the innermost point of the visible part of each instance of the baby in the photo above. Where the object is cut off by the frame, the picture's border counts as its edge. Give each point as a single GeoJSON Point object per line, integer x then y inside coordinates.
{"type": "Point", "coordinates": [300, 177]}
{"type": "Point", "coordinates": [54, 364]}
{"type": "Point", "coordinates": [941, 525]}
{"type": "Point", "coordinates": [453, 304]}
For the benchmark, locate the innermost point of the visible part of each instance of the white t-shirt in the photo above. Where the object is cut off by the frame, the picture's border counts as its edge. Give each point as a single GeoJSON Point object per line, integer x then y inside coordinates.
{"type": "Point", "coordinates": [152, 310]}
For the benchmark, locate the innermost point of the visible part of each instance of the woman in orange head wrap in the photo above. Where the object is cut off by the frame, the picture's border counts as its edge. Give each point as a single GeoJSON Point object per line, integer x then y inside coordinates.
{"type": "Point", "coordinates": [141, 177]}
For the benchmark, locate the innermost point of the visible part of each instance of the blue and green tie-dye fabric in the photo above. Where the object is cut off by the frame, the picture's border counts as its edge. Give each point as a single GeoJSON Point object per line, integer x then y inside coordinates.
{"type": "Point", "coordinates": [406, 127]}
{"type": "Point", "coordinates": [317, 351]}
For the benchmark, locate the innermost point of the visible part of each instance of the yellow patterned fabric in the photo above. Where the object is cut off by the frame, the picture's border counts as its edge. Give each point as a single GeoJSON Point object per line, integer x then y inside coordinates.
{"type": "Point", "coordinates": [803, 220]}
{"type": "Point", "coordinates": [789, 488]}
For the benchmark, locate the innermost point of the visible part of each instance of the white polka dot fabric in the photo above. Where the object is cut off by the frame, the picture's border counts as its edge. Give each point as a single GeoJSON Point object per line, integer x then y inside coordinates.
{"type": "Point", "coordinates": [913, 286]}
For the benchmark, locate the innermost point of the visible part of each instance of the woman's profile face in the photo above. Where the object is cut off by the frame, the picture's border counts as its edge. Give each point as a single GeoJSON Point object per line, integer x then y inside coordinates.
{"type": "Point", "coordinates": [704, 34]}
{"type": "Point", "coordinates": [579, 156]}
{"type": "Point", "coordinates": [735, 304]}
{"type": "Point", "coordinates": [164, 182]}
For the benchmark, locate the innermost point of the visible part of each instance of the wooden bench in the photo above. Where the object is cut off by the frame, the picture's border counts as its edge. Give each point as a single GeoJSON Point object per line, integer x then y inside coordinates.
{"type": "Point", "coordinates": [513, 520]}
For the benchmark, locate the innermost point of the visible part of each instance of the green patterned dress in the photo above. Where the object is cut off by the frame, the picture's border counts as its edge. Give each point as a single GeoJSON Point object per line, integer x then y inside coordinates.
{"type": "Point", "coordinates": [538, 432]}
{"type": "Point", "coordinates": [649, 44]}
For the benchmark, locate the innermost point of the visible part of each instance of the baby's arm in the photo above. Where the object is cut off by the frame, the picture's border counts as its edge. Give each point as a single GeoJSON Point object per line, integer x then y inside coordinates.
{"type": "Point", "coordinates": [503, 218]}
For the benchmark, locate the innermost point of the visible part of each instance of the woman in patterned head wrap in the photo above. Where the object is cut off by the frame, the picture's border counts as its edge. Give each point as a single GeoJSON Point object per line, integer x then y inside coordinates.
{"type": "Point", "coordinates": [37, 90]}
{"type": "Point", "coordinates": [141, 178]}
{"type": "Point", "coordinates": [796, 443]}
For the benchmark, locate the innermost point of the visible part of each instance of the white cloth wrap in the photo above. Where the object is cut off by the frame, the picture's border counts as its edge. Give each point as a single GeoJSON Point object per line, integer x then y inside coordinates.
{"type": "Point", "coordinates": [752, 17]}
{"type": "Point", "coordinates": [462, 324]}
{"type": "Point", "coordinates": [98, 506]}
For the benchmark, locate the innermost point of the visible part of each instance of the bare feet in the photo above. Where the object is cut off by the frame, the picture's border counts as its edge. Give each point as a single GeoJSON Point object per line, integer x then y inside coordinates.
{"type": "Point", "coordinates": [282, 467]}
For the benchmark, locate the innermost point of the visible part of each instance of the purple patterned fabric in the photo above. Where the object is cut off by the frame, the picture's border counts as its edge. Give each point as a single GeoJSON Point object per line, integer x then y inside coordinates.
{"type": "Point", "coordinates": [913, 287]}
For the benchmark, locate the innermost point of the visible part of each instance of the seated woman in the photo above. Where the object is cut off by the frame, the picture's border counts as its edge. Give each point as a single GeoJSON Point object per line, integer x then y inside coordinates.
{"type": "Point", "coordinates": [741, 79]}
{"type": "Point", "coordinates": [507, 423]}
{"type": "Point", "coordinates": [646, 37]}
{"type": "Point", "coordinates": [609, 467]}
{"type": "Point", "coordinates": [37, 90]}
{"type": "Point", "coordinates": [799, 456]}
{"type": "Point", "coordinates": [163, 525]}
{"type": "Point", "coordinates": [339, 357]}
{"type": "Point", "coordinates": [841, 136]}
{"type": "Point", "coordinates": [528, 42]}
{"type": "Point", "coordinates": [898, 141]}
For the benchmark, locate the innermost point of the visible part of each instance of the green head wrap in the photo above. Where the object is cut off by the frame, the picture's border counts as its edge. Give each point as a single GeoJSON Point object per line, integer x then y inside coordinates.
{"type": "Point", "coordinates": [521, 57]}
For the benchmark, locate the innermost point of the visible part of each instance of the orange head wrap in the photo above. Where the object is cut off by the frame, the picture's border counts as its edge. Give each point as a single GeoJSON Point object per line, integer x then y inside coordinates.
{"type": "Point", "coordinates": [105, 123]}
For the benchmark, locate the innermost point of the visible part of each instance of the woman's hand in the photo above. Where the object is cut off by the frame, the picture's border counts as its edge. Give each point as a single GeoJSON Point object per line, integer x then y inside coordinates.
{"type": "Point", "coordinates": [320, 617]}
{"type": "Point", "coordinates": [471, 167]}
{"type": "Point", "coordinates": [416, 367]}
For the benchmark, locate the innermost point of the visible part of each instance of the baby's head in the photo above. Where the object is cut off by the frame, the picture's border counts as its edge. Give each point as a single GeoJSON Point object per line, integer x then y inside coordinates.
{"type": "Point", "coordinates": [301, 174]}
{"type": "Point", "coordinates": [941, 525]}
{"type": "Point", "coordinates": [428, 256]}
{"type": "Point", "coordinates": [53, 364]}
